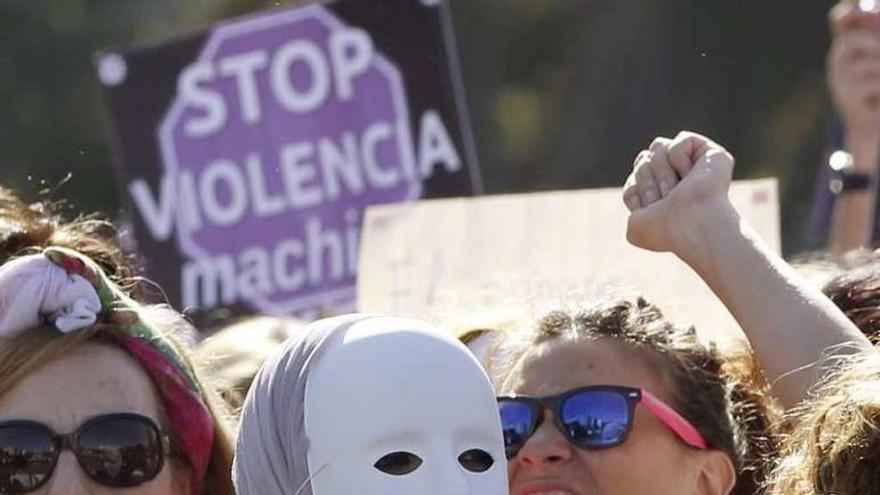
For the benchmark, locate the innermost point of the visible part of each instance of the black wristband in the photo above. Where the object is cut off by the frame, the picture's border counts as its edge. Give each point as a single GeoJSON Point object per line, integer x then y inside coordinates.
{"type": "Point", "coordinates": [845, 178]}
{"type": "Point", "coordinates": [843, 183]}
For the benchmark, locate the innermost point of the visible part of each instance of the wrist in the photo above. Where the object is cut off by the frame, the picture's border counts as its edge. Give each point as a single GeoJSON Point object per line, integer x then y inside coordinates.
{"type": "Point", "coordinates": [865, 150]}
{"type": "Point", "coordinates": [846, 178]}
{"type": "Point", "coordinates": [702, 226]}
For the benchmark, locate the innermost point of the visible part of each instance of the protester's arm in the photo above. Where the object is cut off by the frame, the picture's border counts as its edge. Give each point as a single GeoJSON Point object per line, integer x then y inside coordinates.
{"type": "Point", "coordinates": [854, 83]}
{"type": "Point", "coordinates": [853, 216]}
{"type": "Point", "coordinates": [792, 327]}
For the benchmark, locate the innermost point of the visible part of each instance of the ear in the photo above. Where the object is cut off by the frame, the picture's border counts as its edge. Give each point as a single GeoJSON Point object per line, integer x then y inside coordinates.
{"type": "Point", "coordinates": [717, 474]}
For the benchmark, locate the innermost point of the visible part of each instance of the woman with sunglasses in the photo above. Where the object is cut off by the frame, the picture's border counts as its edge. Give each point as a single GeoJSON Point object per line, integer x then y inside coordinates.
{"type": "Point", "coordinates": [95, 395]}
{"type": "Point", "coordinates": [616, 399]}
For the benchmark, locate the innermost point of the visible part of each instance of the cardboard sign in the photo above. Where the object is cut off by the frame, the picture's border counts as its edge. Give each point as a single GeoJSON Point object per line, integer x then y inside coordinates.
{"type": "Point", "coordinates": [248, 152]}
{"type": "Point", "coordinates": [435, 257]}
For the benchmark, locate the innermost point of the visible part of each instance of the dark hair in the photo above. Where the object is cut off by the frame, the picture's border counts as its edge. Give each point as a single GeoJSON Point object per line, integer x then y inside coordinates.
{"type": "Point", "coordinates": [723, 396]}
{"type": "Point", "coordinates": [857, 293]}
{"type": "Point", "coordinates": [25, 228]}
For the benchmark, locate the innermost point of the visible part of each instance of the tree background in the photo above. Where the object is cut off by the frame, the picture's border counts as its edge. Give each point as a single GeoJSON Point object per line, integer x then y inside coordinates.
{"type": "Point", "coordinates": [562, 93]}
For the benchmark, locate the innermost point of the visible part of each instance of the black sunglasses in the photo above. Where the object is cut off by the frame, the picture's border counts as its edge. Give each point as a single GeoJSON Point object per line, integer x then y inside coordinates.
{"type": "Point", "coordinates": [595, 417]}
{"type": "Point", "coordinates": [118, 450]}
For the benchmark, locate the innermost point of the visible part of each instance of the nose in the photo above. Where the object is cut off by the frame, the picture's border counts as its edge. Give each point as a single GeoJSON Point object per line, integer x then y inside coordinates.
{"type": "Point", "coordinates": [68, 478]}
{"type": "Point", "coordinates": [443, 470]}
{"type": "Point", "coordinates": [546, 446]}
{"type": "Point", "coordinates": [456, 484]}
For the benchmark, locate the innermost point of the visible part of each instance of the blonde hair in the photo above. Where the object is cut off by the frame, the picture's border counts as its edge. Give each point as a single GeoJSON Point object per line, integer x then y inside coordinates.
{"type": "Point", "coordinates": [835, 446]}
{"type": "Point", "coordinates": [234, 354]}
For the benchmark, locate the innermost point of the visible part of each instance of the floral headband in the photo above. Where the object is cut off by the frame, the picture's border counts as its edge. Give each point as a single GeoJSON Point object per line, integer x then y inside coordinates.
{"type": "Point", "coordinates": [66, 289]}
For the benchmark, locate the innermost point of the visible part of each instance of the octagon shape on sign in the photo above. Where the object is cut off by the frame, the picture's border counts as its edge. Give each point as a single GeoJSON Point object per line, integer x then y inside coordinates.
{"type": "Point", "coordinates": [256, 152]}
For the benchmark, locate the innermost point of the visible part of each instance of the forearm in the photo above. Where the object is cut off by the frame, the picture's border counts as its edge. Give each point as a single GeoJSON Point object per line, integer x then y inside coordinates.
{"type": "Point", "coordinates": [792, 327]}
{"type": "Point", "coordinates": [852, 221]}
{"type": "Point", "coordinates": [853, 216]}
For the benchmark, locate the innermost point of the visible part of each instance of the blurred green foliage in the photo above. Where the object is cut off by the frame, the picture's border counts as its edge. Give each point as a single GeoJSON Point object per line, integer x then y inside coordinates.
{"type": "Point", "coordinates": [562, 93]}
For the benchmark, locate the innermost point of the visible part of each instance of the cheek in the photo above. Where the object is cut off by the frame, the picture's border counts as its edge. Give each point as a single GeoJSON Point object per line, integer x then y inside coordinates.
{"type": "Point", "coordinates": [181, 481]}
{"type": "Point", "coordinates": [629, 472]}
{"type": "Point", "coordinates": [644, 464]}
{"type": "Point", "coordinates": [614, 468]}
{"type": "Point", "coordinates": [171, 481]}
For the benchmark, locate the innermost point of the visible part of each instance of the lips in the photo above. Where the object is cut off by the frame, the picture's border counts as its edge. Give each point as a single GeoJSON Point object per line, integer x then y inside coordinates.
{"type": "Point", "coordinates": [544, 488]}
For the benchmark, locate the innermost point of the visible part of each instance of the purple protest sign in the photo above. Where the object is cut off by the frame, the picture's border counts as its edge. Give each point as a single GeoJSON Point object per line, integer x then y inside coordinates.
{"type": "Point", "coordinates": [282, 128]}
{"type": "Point", "coordinates": [315, 128]}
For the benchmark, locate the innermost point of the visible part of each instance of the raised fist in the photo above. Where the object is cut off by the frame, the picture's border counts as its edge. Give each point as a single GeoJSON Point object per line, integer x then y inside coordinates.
{"type": "Point", "coordinates": [677, 188]}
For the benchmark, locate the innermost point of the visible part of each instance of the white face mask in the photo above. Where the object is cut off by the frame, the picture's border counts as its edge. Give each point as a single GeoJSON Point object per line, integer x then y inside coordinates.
{"type": "Point", "coordinates": [394, 407]}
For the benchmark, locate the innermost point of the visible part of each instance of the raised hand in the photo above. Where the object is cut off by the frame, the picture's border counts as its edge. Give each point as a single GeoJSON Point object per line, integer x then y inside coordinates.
{"type": "Point", "coordinates": [677, 196]}
{"type": "Point", "coordinates": [676, 187]}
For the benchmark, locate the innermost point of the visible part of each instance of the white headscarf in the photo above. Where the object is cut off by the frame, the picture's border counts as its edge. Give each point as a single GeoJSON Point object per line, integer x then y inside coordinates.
{"type": "Point", "coordinates": [34, 291]}
{"type": "Point", "coordinates": [365, 388]}
{"type": "Point", "coordinates": [270, 454]}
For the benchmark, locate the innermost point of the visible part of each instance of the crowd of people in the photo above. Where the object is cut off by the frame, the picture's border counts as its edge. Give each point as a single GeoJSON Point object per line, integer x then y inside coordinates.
{"type": "Point", "coordinates": [102, 391]}
{"type": "Point", "coordinates": [606, 397]}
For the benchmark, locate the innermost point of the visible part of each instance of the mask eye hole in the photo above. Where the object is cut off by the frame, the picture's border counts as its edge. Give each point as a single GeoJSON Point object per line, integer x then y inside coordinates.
{"type": "Point", "coordinates": [398, 463]}
{"type": "Point", "coordinates": [476, 460]}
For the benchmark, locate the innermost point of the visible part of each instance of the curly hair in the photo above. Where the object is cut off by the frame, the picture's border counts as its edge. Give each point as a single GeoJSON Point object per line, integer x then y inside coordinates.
{"type": "Point", "coordinates": [835, 446]}
{"type": "Point", "coordinates": [857, 293]}
{"type": "Point", "coordinates": [723, 396]}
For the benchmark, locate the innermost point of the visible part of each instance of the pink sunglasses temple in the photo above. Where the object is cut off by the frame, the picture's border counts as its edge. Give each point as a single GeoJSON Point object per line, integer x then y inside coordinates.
{"type": "Point", "coordinates": [676, 422]}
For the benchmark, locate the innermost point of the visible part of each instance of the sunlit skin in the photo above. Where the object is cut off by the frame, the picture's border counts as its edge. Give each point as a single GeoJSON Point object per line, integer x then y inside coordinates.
{"type": "Point", "coordinates": [94, 379]}
{"type": "Point", "coordinates": [652, 460]}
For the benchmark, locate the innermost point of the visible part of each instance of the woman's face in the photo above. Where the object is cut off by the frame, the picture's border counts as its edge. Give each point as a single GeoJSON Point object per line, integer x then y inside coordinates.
{"type": "Point", "coordinates": [651, 460]}
{"type": "Point", "coordinates": [92, 380]}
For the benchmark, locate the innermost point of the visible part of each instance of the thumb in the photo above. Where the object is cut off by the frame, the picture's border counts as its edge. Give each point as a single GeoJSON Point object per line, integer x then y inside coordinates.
{"type": "Point", "coordinates": [644, 228]}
